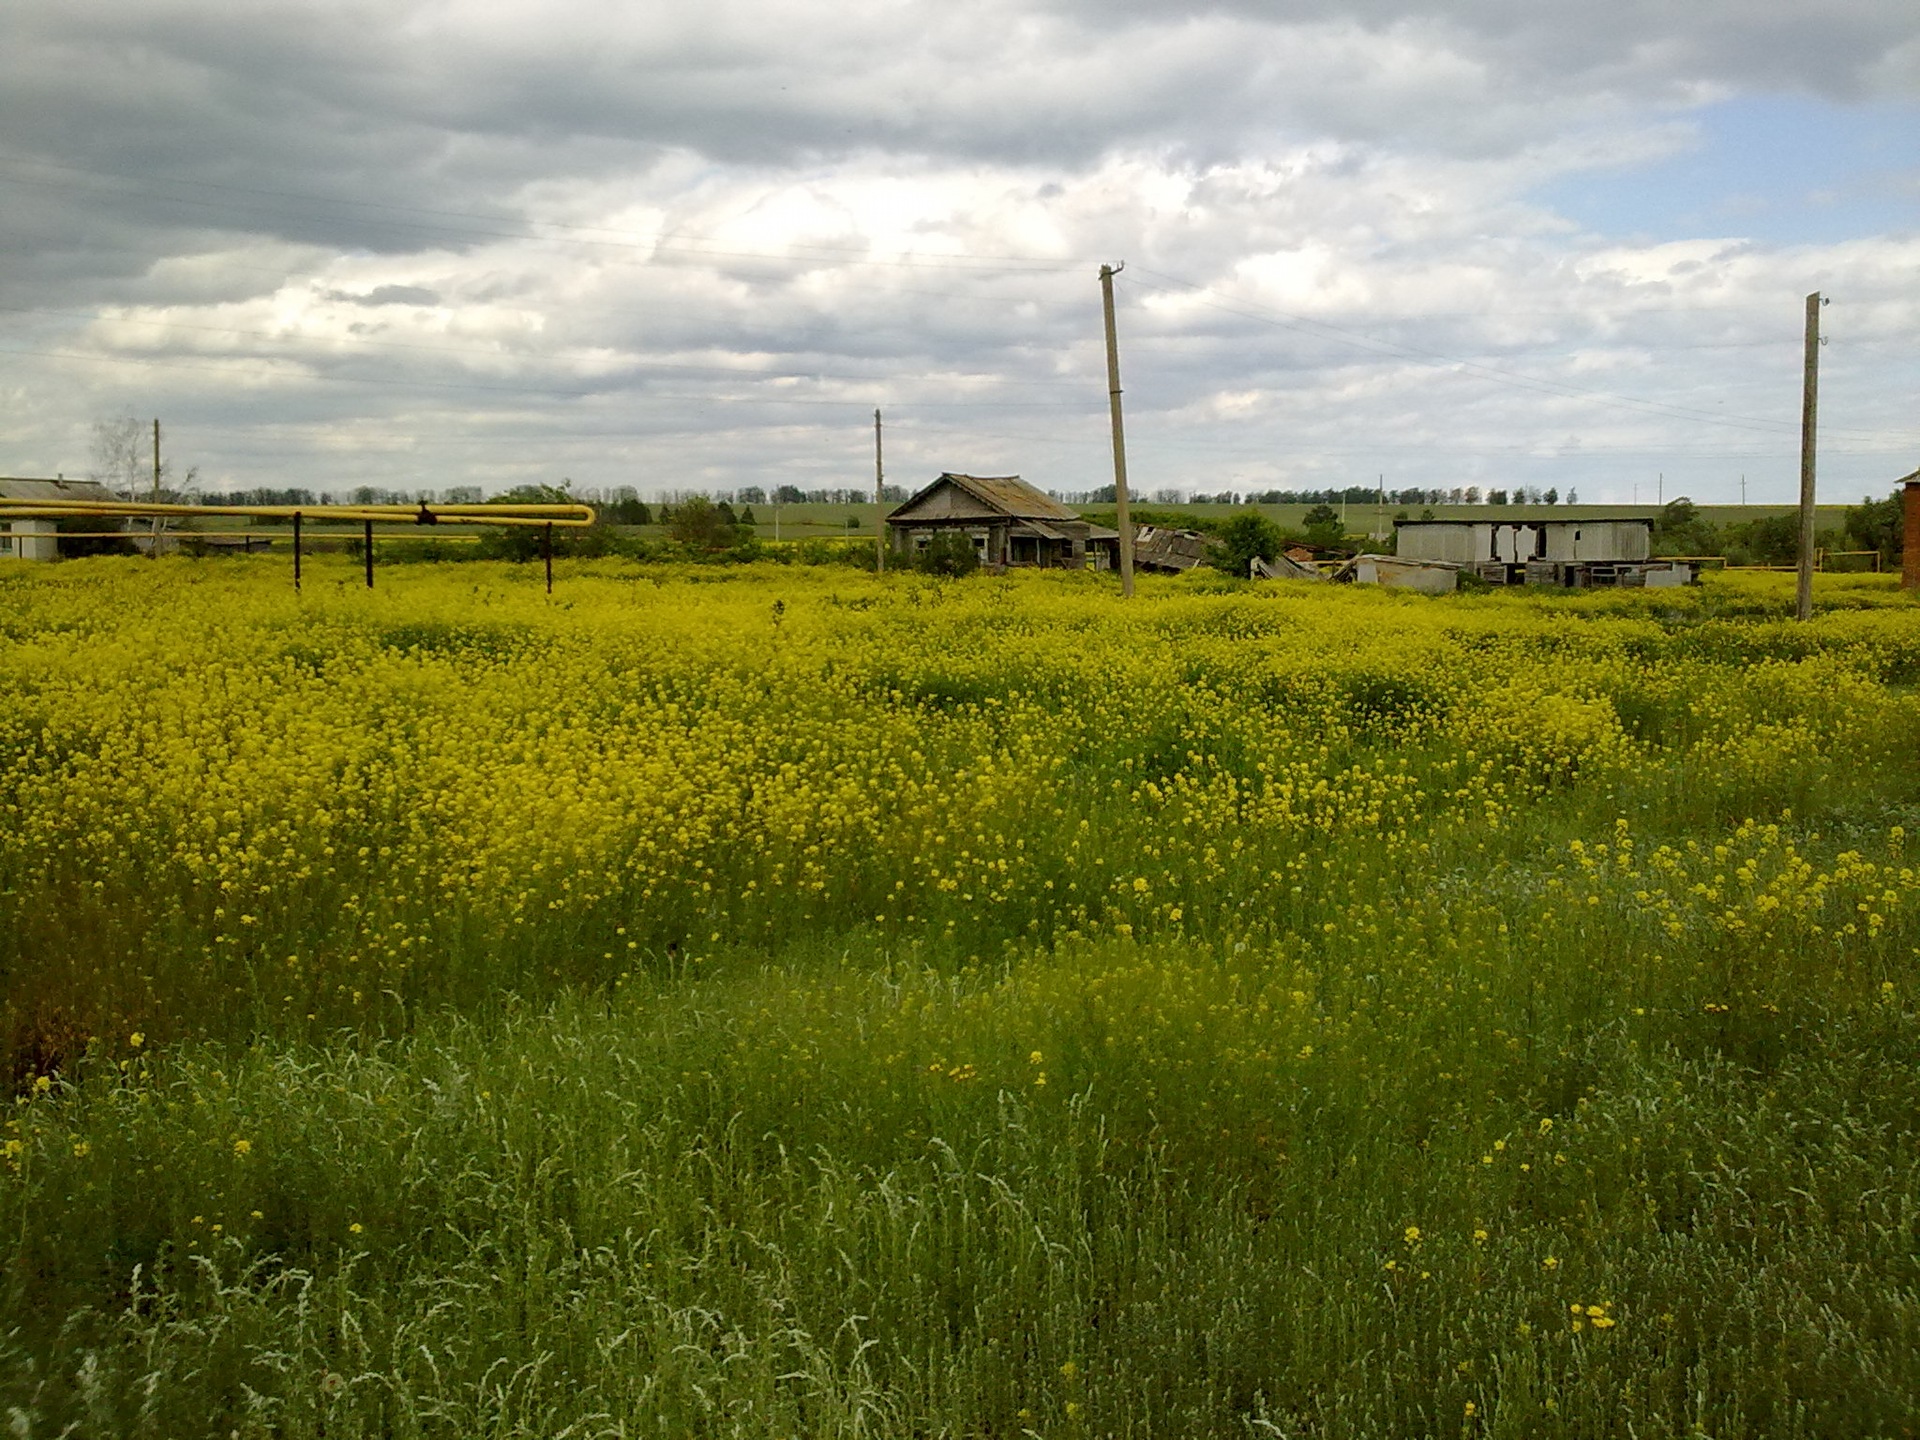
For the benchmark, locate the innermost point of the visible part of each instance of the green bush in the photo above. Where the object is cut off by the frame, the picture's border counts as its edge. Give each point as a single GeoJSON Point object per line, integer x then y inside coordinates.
{"type": "Point", "coordinates": [947, 553]}
{"type": "Point", "coordinates": [1242, 538]}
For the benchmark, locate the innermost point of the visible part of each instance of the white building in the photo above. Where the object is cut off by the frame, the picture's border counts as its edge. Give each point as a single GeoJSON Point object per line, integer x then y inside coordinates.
{"type": "Point", "coordinates": [1515, 542]}
{"type": "Point", "coordinates": [34, 539]}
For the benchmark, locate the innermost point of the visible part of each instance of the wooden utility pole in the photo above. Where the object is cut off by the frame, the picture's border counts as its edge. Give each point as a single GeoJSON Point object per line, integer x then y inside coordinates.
{"type": "Point", "coordinates": [1809, 425]}
{"type": "Point", "coordinates": [1122, 521]}
{"type": "Point", "coordinates": [154, 552]}
{"type": "Point", "coordinates": [879, 504]}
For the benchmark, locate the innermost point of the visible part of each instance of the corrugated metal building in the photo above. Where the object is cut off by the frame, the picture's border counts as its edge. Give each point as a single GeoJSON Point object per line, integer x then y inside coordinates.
{"type": "Point", "coordinates": [1600, 550]}
{"type": "Point", "coordinates": [1514, 542]}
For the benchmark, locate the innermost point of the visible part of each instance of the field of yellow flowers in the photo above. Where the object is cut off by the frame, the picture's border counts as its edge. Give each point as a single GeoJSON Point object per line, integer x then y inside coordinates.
{"type": "Point", "coordinates": [794, 1002]}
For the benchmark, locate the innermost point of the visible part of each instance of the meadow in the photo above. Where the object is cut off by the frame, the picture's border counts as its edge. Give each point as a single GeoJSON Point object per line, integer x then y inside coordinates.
{"type": "Point", "coordinates": [794, 1002]}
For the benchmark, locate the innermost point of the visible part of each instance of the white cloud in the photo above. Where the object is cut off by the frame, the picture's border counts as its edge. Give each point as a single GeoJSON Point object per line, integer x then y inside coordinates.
{"type": "Point", "coordinates": [482, 243]}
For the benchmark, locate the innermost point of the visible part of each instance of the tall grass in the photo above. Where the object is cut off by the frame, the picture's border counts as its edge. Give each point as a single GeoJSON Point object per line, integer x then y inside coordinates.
{"type": "Point", "coordinates": [955, 1010]}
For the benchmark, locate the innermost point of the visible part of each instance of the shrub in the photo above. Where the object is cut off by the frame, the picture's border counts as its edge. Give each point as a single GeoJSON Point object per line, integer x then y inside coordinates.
{"type": "Point", "coordinates": [1244, 536]}
{"type": "Point", "coordinates": [948, 553]}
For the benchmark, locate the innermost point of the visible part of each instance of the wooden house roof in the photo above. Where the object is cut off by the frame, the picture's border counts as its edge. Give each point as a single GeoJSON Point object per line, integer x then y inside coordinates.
{"type": "Point", "coordinates": [1159, 548]}
{"type": "Point", "coordinates": [979, 496]}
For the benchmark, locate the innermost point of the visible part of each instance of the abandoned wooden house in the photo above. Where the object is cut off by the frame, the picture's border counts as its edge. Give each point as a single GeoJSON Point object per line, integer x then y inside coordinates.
{"type": "Point", "coordinates": [1007, 521]}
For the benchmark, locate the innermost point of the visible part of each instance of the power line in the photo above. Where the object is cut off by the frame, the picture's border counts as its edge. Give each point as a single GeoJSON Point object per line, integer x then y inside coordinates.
{"type": "Point", "coordinates": [1290, 320]}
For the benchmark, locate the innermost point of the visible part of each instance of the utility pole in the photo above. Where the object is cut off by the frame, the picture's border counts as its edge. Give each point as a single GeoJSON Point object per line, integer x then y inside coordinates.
{"type": "Point", "coordinates": [879, 518]}
{"type": "Point", "coordinates": [1743, 489]}
{"type": "Point", "coordinates": [154, 553]}
{"type": "Point", "coordinates": [1660, 494]}
{"type": "Point", "coordinates": [1121, 519]}
{"type": "Point", "coordinates": [1809, 426]}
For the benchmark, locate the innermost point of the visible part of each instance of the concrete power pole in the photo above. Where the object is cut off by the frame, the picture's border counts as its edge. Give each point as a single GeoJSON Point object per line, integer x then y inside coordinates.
{"type": "Point", "coordinates": [1121, 519]}
{"type": "Point", "coordinates": [879, 504]}
{"type": "Point", "coordinates": [1809, 426]}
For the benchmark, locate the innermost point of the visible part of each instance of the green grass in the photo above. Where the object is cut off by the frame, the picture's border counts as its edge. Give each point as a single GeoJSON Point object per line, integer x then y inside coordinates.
{"type": "Point", "coordinates": [1261, 1010]}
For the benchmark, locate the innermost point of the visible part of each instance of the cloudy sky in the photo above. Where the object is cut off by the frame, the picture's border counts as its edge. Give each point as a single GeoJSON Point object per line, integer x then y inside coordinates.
{"type": "Point", "coordinates": [1450, 242]}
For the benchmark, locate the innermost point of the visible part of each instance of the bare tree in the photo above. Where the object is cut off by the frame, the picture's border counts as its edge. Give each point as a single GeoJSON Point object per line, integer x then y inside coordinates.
{"type": "Point", "coordinates": [123, 463]}
{"type": "Point", "coordinates": [118, 455]}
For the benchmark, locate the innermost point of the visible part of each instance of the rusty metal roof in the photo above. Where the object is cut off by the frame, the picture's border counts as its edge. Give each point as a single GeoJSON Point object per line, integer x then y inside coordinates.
{"type": "Point", "coordinates": [1008, 494]}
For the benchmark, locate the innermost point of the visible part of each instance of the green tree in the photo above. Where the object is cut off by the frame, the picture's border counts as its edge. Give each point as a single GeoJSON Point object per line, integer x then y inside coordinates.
{"type": "Point", "coordinates": [1680, 529]}
{"type": "Point", "coordinates": [627, 509]}
{"type": "Point", "coordinates": [1324, 527]}
{"type": "Point", "coordinates": [1771, 540]}
{"type": "Point", "coordinates": [702, 526]}
{"type": "Point", "coordinates": [1241, 538]}
{"type": "Point", "coordinates": [535, 495]}
{"type": "Point", "coordinates": [1876, 525]}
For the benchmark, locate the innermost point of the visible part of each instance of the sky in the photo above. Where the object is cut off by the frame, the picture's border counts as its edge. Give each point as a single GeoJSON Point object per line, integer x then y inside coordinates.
{"type": "Point", "coordinates": [487, 243]}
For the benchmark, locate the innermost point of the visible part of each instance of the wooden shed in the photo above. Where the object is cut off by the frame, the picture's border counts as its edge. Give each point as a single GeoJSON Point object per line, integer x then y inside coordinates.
{"type": "Point", "coordinates": [1006, 519]}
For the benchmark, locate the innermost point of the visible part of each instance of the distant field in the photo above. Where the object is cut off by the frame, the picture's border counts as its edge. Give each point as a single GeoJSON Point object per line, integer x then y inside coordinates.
{"type": "Point", "coordinates": [810, 521]}
{"type": "Point", "coordinates": [791, 1002]}
{"type": "Point", "coordinates": [802, 521]}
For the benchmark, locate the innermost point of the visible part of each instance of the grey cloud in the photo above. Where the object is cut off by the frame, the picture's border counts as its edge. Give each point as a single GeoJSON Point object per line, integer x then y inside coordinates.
{"type": "Point", "coordinates": [388, 295]}
{"type": "Point", "coordinates": [227, 167]}
{"type": "Point", "coordinates": [394, 128]}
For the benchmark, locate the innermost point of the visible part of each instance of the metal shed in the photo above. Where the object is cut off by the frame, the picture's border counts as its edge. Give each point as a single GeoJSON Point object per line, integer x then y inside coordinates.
{"type": "Point", "coordinates": [1589, 550]}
